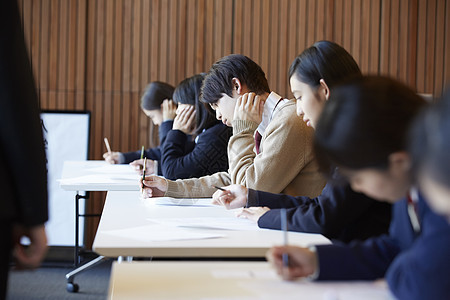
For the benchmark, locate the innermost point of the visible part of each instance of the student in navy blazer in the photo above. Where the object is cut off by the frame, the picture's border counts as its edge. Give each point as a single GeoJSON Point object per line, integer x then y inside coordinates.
{"type": "Point", "coordinates": [363, 131]}
{"type": "Point", "coordinates": [195, 125]}
{"type": "Point", "coordinates": [339, 212]}
{"type": "Point", "coordinates": [429, 147]}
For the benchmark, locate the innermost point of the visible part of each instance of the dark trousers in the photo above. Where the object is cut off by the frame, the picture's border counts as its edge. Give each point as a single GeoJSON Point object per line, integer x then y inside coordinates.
{"type": "Point", "coordinates": [5, 254]}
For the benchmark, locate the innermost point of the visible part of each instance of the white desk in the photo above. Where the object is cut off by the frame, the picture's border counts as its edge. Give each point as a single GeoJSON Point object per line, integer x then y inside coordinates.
{"type": "Point", "coordinates": [124, 214]}
{"type": "Point", "coordinates": [98, 175]}
{"type": "Point", "coordinates": [228, 280]}
{"type": "Point", "coordinates": [93, 175]}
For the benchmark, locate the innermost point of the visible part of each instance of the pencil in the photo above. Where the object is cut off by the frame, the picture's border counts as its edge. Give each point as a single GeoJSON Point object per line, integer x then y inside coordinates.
{"type": "Point", "coordinates": [143, 173]}
{"type": "Point", "coordinates": [142, 152]}
{"type": "Point", "coordinates": [284, 227]}
{"type": "Point", "coordinates": [107, 145]}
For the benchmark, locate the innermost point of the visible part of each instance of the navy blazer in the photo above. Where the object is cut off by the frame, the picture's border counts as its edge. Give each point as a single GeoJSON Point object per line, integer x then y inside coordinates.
{"type": "Point", "coordinates": [209, 155]}
{"type": "Point", "coordinates": [338, 213]}
{"type": "Point", "coordinates": [416, 265]}
{"type": "Point", "coordinates": [152, 153]}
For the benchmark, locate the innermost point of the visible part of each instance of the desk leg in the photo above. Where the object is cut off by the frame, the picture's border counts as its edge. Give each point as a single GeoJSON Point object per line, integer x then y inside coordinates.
{"type": "Point", "coordinates": [76, 258]}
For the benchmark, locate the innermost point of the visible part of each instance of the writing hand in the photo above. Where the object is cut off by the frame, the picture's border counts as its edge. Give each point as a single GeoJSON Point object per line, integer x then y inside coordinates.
{"type": "Point", "coordinates": [234, 196]}
{"type": "Point", "coordinates": [154, 186]}
{"type": "Point", "coordinates": [302, 261]}
{"type": "Point", "coordinates": [138, 166]}
{"type": "Point", "coordinates": [111, 157]}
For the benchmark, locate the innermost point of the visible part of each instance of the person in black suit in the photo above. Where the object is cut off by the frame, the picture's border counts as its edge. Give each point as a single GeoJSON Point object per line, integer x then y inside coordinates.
{"type": "Point", "coordinates": [23, 177]}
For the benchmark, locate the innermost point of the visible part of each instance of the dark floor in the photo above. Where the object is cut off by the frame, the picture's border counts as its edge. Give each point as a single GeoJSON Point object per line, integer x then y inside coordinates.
{"type": "Point", "coordinates": [49, 282]}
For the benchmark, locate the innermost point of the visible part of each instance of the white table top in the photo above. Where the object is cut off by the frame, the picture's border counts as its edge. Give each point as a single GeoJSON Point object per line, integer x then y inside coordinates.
{"type": "Point", "coordinates": [131, 226]}
{"type": "Point", "coordinates": [228, 280]}
{"type": "Point", "coordinates": [98, 175]}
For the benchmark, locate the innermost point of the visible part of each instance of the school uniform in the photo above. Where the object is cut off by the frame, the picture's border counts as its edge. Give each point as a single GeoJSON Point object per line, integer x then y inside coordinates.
{"type": "Point", "coordinates": [283, 163]}
{"type": "Point", "coordinates": [338, 213]}
{"type": "Point", "coordinates": [208, 156]}
{"type": "Point", "coordinates": [415, 260]}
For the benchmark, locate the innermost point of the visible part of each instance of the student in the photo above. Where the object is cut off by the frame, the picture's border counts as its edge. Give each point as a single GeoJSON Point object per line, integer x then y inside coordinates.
{"type": "Point", "coordinates": [23, 177]}
{"type": "Point", "coordinates": [429, 147]}
{"type": "Point", "coordinates": [363, 130]}
{"type": "Point", "coordinates": [156, 104]}
{"type": "Point", "coordinates": [237, 89]}
{"type": "Point", "coordinates": [207, 153]}
{"type": "Point", "coordinates": [339, 212]}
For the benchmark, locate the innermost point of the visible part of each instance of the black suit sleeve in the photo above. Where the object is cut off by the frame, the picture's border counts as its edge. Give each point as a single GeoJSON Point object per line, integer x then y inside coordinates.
{"type": "Point", "coordinates": [23, 176]}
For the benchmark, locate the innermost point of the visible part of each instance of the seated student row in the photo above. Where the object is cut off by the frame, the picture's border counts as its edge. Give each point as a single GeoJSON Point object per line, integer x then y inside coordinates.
{"type": "Point", "coordinates": [285, 161]}
{"type": "Point", "coordinates": [403, 232]}
{"type": "Point", "coordinates": [192, 142]}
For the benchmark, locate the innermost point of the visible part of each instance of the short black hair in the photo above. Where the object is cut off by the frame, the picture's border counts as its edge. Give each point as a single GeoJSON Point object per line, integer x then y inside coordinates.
{"type": "Point", "coordinates": [429, 141]}
{"type": "Point", "coordinates": [188, 92]}
{"type": "Point", "coordinates": [324, 60]}
{"type": "Point", "coordinates": [363, 122]}
{"type": "Point", "coordinates": [218, 81]}
{"type": "Point", "coordinates": [155, 93]}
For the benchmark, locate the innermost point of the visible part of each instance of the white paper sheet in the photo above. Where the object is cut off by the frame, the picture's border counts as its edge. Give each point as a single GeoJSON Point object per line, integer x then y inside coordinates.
{"type": "Point", "coordinates": [101, 178]}
{"type": "Point", "coordinates": [178, 201]}
{"type": "Point", "coordinates": [231, 223]}
{"type": "Point", "coordinates": [159, 233]}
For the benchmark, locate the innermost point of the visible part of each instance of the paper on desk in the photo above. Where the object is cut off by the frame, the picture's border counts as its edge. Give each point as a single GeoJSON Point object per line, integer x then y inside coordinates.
{"type": "Point", "coordinates": [178, 201]}
{"type": "Point", "coordinates": [160, 233]}
{"type": "Point", "coordinates": [112, 169]}
{"type": "Point", "coordinates": [101, 178]}
{"type": "Point", "coordinates": [231, 223]}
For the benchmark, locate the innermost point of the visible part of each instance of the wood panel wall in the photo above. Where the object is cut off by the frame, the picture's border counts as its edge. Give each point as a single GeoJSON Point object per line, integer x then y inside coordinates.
{"type": "Point", "coordinates": [98, 55]}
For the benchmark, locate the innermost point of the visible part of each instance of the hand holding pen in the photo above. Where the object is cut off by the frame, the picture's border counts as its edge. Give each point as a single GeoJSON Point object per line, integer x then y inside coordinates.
{"type": "Point", "coordinates": [143, 175]}
{"type": "Point", "coordinates": [232, 196]}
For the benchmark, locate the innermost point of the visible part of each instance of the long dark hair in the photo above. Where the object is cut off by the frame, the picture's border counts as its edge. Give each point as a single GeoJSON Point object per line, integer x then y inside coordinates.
{"type": "Point", "coordinates": [363, 122]}
{"type": "Point", "coordinates": [324, 60]}
{"type": "Point", "coordinates": [188, 92]}
{"type": "Point", "coordinates": [155, 93]}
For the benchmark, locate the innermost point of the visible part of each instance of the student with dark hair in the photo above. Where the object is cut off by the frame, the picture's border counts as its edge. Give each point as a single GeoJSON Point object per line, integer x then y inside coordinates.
{"type": "Point", "coordinates": [270, 148]}
{"type": "Point", "coordinates": [339, 212]}
{"type": "Point", "coordinates": [196, 127]}
{"type": "Point", "coordinates": [429, 147]}
{"type": "Point", "coordinates": [363, 132]}
{"type": "Point", "coordinates": [156, 103]}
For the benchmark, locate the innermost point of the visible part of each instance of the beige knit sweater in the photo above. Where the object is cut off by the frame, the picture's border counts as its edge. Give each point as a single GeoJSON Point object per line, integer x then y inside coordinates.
{"type": "Point", "coordinates": [285, 163]}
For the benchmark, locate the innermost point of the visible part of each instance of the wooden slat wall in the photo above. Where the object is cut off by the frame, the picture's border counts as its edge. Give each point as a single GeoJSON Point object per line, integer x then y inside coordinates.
{"type": "Point", "coordinates": [98, 55]}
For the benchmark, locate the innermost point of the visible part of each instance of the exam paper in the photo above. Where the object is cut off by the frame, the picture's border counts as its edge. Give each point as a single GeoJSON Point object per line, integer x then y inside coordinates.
{"type": "Point", "coordinates": [160, 233]}
{"type": "Point", "coordinates": [231, 223]}
{"type": "Point", "coordinates": [95, 179]}
{"type": "Point", "coordinates": [178, 201]}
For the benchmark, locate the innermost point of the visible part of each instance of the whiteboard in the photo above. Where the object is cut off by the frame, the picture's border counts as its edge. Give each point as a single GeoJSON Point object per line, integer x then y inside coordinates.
{"type": "Point", "coordinates": [67, 137]}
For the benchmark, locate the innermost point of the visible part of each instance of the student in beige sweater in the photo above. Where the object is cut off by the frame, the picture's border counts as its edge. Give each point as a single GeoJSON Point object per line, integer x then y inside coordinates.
{"type": "Point", "coordinates": [283, 162]}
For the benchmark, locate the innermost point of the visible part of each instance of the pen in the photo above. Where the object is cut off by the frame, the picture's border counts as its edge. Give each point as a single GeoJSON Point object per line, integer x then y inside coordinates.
{"type": "Point", "coordinates": [219, 188]}
{"type": "Point", "coordinates": [107, 145]}
{"type": "Point", "coordinates": [142, 152]}
{"type": "Point", "coordinates": [143, 173]}
{"type": "Point", "coordinates": [284, 227]}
